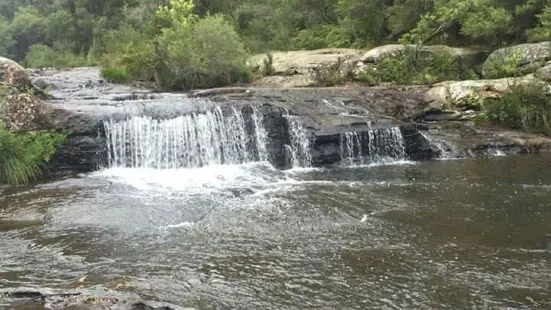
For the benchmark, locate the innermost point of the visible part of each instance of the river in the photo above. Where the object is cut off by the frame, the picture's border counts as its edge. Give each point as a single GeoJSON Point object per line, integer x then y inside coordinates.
{"type": "Point", "coordinates": [445, 234]}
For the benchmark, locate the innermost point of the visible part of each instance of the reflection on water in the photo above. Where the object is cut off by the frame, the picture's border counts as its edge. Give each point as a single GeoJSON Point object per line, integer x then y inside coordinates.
{"type": "Point", "coordinates": [436, 235]}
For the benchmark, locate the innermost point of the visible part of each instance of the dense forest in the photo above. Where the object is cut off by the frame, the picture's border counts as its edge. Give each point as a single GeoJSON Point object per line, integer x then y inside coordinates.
{"type": "Point", "coordinates": [185, 43]}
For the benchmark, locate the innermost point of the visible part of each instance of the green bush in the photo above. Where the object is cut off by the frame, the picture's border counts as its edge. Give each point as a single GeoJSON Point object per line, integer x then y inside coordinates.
{"type": "Point", "coordinates": [115, 75]}
{"type": "Point", "coordinates": [190, 53]}
{"type": "Point", "coordinates": [525, 107]}
{"type": "Point", "coordinates": [268, 65]}
{"type": "Point", "coordinates": [207, 54]}
{"type": "Point", "coordinates": [42, 56]}
{"type": "Point", "coordinates": [24, 157]}
{"type": "Point", "coordinates": [128, 52]}
{"type": "Point", "coordinates": [505, 66]}
{"type": "Point", "coordinates": [412, 67]}
{"type": "Point", "coordinates": [333, 74]}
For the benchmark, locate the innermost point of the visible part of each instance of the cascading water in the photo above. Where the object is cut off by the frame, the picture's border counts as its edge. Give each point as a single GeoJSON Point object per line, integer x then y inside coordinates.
{"type": "Point", "coordinates": [195, 140]}
{"type": "Point", "coordinates": [374, 146]}
{"type": "Point", "coordinates": [301, 155]}
{"type": "Point", "coordinates": [351, 147]}
{"type": "Point", "coordinates": [444, 152]}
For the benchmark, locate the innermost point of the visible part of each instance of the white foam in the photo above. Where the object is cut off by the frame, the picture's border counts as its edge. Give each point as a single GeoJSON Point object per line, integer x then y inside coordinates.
{"type": "Point", "coordinates": [215, 177]}
{"type": "Point", "coordinates": [181, 225]}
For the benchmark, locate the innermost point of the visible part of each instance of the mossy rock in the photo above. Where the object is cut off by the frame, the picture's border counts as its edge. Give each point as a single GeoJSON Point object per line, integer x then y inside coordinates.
{"type": "Point", "coordinates": [517, 60]}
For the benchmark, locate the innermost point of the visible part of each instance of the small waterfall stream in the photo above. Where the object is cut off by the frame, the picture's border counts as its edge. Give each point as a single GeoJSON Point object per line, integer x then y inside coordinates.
{"type": "Point", "coordinates": [195, 140]}
{"type": "Point", "coordinates": [373, 146]}
{"type": "Point", "coordinates": [301, 155]}
{"type": "Point", "coordinates": [230, 136]}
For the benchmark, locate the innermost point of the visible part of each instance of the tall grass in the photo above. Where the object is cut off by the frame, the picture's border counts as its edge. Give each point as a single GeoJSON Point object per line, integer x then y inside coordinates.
{"type": "Point", "coordinates": [525, 107]}
{"type": "Point", "coordinates": [414, 67]}
{"type": "Point", "coordinates": [42, 56]}
{"type": "Point", "coordinates": [24, 157]}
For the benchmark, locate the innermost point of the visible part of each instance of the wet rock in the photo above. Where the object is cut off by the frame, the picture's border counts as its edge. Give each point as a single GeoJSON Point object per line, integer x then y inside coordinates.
{"type": "Point", "coordinates": [219, 91]}
{"type": "Point", "coordinates": [527, 57]}
{"type": "Point", "coordinates": [41, 83]}
{"type": "Point", "coordinates": [238, 192]}
{"type": "Point", "coordinates": [23, 293]}
{"type": "Point", "coordinates": [144, 306]}
{"type": "Point", "coordinates": [80, 154]}
{"type": "Point", "coordinates": [417, 147]}
{"type": "Point", "coordinates": [545, 242]}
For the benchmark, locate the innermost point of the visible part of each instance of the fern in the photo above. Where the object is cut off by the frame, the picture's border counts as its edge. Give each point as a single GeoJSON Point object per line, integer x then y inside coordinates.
{"type": "Point", "coordinates": [24, 157]}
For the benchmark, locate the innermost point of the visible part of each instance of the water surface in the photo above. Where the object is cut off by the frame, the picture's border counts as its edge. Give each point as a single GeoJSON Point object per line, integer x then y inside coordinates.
{"type": "Point", "coordinates": [461, 234]}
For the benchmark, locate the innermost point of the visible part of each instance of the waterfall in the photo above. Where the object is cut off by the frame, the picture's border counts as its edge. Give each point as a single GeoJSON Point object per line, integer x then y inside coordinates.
{"type": "Point", "coordinates": [301, 155]}
{"type": "Point", "coordinates": [351, 147]}
{"type": "Point", "coordinates": [373, 146]}
{"type": "Point", "coordinates": [443, 151]}
{"type": "Point", "coordinates": [261, 136]}
{"type": "Point", "coordinates": [193, 140]}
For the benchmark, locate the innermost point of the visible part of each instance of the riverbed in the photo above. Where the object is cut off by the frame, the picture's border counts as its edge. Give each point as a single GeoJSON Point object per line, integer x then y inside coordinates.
{"type": "Point", "coordinates": [444, 234]}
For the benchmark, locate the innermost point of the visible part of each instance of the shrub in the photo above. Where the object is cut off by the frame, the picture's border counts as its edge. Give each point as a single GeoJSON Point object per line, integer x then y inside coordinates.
{"type": "Point", "coordinates": [23, 157]}
{"type": "Point", "coordinates": [267, 65]}
{"type": "Point", "coordinates": [115, 75]}
{"type": "Point", "coordinates": [190, 54]}
{"type": "Point", "coordinates": [207, 54]}
{"type": "Point", "coordinates": [505, 66]}
{"type": "Point", "coordinates": [127, 52]}
{"type": "Point", "coordinates": [411, 67]}
{"type": "Point", "coordinates": [333, 74]}
{"type": "Point", "coordinates": [320, 37]}
{"type": "Point", "coordinates": [525, 107]}
{"type": "Point", "coordinates": [42, 56]}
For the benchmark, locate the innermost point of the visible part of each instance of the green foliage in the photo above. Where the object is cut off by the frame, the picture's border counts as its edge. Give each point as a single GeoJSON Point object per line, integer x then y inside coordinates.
{"type": "Point", "coordinates": [6, 40]}
{"type": "Point", "coordinates": [24, 157]}
{"type": "Point", "coordinates": [115, 75]}
{"type": "Point", "coordinates": [403, 15]}
{"type": "Point", "coordinates": [208, 54]}
{"type": "Point", "coordinates": [506, 66]}
{"type": "Point", "coordinates": [470, 19]}
{"type": "Point", "coordinates": [543, 31]}
{"type": "Point", "coordinates": [154, 39]}
{"type": "Point", "coordinates": [332, 75]}
{"type": "Point", "coordinates": [267, 65]}
{"type": "Point", "coordinates": [525, 107]}
{"type": "Point", "coordinates": [188, 53]}
{"type": "Point", "coordinates": [42, 56]}
{"type": "Point", "coordinates": [411, 67]}
{"type": "Point", "coordinates": [322, 36]}
{"type": "Point", "coordinates": [363, 21]}
{"type": "Point", "coordinates": [128, 50]}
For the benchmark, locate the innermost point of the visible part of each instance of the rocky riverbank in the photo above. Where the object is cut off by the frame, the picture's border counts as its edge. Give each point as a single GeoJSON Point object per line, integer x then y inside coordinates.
{"type": "Point", "coordinates": [83, 101]}
{"type": "Point", "coordinates": [433, 119]}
